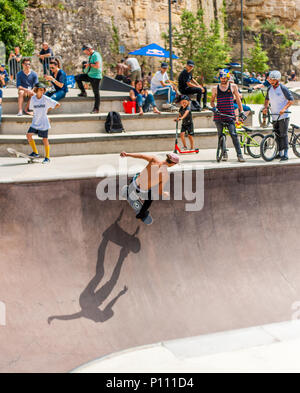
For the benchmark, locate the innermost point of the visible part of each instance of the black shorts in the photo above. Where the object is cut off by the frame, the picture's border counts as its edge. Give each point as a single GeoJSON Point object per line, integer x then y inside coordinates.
{"type": "Point", "coordinates": [188, 129]}
{"type": "Point", "coordinates": [41, 134]}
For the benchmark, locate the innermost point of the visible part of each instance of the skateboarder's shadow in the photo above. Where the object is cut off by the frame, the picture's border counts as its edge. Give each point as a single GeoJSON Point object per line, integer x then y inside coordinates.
{"type": "Point", "coordinates": [91, 299]}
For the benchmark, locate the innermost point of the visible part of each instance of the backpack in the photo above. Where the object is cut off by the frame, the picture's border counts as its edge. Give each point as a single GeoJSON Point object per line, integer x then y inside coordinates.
{"type": "Point", "coordinates": [113, 123]}
{"type": "Point", "coordinates": [195, 106]}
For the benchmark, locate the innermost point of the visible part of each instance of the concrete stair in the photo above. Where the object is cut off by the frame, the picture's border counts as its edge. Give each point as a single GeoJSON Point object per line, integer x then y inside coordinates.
{"type": "Point", "coordinates": [74, 131]}
{"type": "Point", "coordinates": [103, 143]}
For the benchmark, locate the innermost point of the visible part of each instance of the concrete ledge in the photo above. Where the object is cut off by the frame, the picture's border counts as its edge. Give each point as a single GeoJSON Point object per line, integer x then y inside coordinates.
{"type": "Point", "coordinates": [103, 143]}
{"type": "Point", "coordinates": [89, 123]}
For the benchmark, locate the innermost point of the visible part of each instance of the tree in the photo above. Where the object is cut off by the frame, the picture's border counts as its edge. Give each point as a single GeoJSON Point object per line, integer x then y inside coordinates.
{"type": "Point", "coordinates": [258, 58]}
{"type": "Point", "coordinates": [13, 31]}
{"type": "Point", "coordinates": [204, 45]}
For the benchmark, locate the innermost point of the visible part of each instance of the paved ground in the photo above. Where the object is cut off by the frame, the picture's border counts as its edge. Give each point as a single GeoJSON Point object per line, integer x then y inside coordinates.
{"type": "Point", "coordinates": [105, 282]}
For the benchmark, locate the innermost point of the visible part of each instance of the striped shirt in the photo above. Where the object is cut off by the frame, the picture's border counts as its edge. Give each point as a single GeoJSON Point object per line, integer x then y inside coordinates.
{"type": "Point", "coordinates": [225, 104]}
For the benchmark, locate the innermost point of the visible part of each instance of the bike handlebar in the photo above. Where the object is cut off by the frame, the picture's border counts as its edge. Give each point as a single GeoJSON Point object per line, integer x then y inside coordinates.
{"type": "Point", "coordinates": [220, 113]}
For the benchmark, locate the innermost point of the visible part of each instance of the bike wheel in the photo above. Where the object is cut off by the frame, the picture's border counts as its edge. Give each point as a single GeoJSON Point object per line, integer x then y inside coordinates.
{"type": "Point", "coordinates": [296, 145]}
{"type": "Point", "coordinates": [269, 148]}
{"type": "Point", "coordinates": [221, 148]}
{"type": "Point", "coordinates": [264, 120]}
{"type": "Point", "coordinates": [253, 145]}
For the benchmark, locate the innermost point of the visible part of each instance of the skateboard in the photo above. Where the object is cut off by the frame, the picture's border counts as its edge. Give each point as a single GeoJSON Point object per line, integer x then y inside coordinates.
{"type": "Point", "coordinates": [18, 154]}
{"type": "Point", "coordinates": [129, 193]}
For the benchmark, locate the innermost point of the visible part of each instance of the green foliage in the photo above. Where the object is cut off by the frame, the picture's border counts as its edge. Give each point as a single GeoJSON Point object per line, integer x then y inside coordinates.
{"type": "Point", "coordinates": [115, 43]}
{"type": "Point", "coordinates": [204, 45]}
{"type": "Point", "coordinates": [255, 98]}
{"type": "Point", "coordinates": [258, 59]}
{"type": "Point", "coordinates": [270, 26]}
{"type": "Point", "coordinates": [13, 31]}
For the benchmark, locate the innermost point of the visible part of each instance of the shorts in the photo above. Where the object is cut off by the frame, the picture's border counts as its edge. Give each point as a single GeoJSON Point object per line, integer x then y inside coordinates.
{"type": "Point", "coordinates": [188, 129]}
{"type": "Point", "coordinates": [136, 75]}
{"type": "Point", "coordinates": [41, 134]}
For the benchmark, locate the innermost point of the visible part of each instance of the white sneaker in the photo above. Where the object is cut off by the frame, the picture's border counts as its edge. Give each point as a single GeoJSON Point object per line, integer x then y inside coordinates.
{"type": "Point", "coordinates": [20, 113]}
{"type": "Point", "coordinates": [166, 106]}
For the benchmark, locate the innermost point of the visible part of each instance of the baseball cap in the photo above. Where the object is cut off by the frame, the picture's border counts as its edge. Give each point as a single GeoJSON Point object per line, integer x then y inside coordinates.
{"type": "Point", "coordinates": [164, 65]}
{"type": "Point", "coordinates": [2, 65]}
{"type": "Point", "coordinates": [190, 63]}
{"type": "Point", "coordinates": [275, 75]}
{"type": "Point", "coordinates": [173, 157]}
{"type": "Point", "coordinates": [40, 85]}
{"type": "Point", "coordinates": [86, 46]}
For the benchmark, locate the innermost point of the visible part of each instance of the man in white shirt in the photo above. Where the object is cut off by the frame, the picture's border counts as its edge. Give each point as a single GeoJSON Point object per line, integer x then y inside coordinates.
{"type": "Point", "coordinates": [160, 84]}
{"type": "Point", "coordinates": [135, 69]}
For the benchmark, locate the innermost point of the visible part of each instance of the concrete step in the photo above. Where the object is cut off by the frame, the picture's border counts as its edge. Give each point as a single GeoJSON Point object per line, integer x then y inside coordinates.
{"type": "Point", "coordinates": [90, 143]}
{"type": "Point", "coordinates": [79, 105]}
{"type": "Point", "coordinates": [88, 123]}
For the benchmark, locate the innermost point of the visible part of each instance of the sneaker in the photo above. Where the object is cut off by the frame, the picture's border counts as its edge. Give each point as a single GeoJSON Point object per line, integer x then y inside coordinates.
{"type": "Point", "coordinates": [20, 113]}
{"type": "Point", "coordinates": [278, 157]}
{"type": "Point", "coordinates": [34, 155]}
{"type": "Point", "coordinates": [95, 111]}
{"type": "Point", "coordinates": [185, 148]}
{"type": "Point", "coordinates": [225, 157]}
{"type": "Point", "coordinates": [82, 94]}
{"type": "Point", "coordinates": [46, 161]}
{"type": "Point", "coordinates": [284, 158]}
{"type": "Point", "coordinates": [241, 159]}
{"type": "Point", "coordinates": [166, 106]}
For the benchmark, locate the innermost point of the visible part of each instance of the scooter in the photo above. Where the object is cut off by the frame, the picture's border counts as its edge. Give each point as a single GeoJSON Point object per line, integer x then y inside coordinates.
{"type": "Point", "coordinates": [177, 148]}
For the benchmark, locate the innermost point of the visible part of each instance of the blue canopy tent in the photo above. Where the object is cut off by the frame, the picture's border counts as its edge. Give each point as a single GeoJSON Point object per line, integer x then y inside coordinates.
{"type": "Point", "coordinates": [152, 50]}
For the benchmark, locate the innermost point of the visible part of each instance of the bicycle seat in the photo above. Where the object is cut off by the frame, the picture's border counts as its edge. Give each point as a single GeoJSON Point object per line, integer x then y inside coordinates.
{"type": "Point", "coordinates": [294, 126]}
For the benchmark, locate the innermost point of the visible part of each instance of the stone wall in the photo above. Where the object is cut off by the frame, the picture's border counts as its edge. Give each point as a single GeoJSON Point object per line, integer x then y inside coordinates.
{"type": "Point", "coordinates": [74, 22]}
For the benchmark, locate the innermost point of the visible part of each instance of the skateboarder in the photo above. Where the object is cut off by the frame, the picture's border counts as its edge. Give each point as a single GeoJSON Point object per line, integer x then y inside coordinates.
{"type": "Point", "coordinates": [40, 104]}
{"type": "Point", "coordinates": [154, 174]}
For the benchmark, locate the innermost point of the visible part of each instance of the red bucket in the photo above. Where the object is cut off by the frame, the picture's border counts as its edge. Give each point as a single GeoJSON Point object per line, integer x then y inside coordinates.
{"type": "Point", "coordinates": [129, 106]}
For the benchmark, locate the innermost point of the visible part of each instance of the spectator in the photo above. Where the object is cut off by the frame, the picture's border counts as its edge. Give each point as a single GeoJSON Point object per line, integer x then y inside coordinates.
{"type": "Point", "coordinates": [45, 55]}
{"type": "Point", "coordinates": [58, 78]}
{"type": "Point", "coordinates": [143, 98]}
{"type": "Point", "coordinates": [149, 78]}
{"type": "Point", "coordinates": [14, 62]}
{"type": "Point", "coordinates": [247, 73]}
{"type": "Point", "coordinates": [92, 73]}
{"type": "Point", "coordinates": [188, 85]}
{"type": "Point", "coordinates": [4, 78]}
{"type": "Point", "coordinates": [134, 68]}
{"type": "Point", "coordinates": [121, 71]}
{"type": "Point", "coordinates": [160, 84]}
{"type": "Point", "coordinates": [293, 76]}
{"type": "Point", "coordinates": [26, 80]}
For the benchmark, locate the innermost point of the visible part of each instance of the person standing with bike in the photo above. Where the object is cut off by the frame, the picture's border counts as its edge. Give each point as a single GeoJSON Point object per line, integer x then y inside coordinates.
{"type": "Point", "coordinates": [280, 99]}
{"type": "Point", "coordinates": [225, 94]}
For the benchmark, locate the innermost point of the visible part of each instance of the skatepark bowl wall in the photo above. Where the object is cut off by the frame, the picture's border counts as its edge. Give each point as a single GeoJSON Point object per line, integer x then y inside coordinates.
{"type": "Point", "coordinates": [83, 278]}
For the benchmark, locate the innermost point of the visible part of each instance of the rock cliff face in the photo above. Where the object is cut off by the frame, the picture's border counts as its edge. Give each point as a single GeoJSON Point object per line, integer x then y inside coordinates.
{"type": "Point", "coordinates": [141, 22]}
{"type": "Point", "coordinates": [282, 17]}
{"type": "Point", "coordinates": [74, 22]}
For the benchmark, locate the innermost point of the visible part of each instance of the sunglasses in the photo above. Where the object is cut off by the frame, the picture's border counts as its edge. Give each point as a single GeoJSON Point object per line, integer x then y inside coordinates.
{"type": "Point", "coordinates": [27, 64]}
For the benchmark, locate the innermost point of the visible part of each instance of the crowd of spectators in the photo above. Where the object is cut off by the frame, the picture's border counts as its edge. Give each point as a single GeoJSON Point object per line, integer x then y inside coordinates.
{"type": "Point", "coordinates": [128, 70]}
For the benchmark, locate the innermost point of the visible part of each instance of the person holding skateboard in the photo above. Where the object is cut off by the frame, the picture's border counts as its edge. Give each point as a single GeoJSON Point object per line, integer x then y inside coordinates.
{"type": "Point", "coordinates": [187, 127]}
{"type": "Point", "coordinates": [154, 174]}
{"type": "Point", "coordinates": [40, 104]}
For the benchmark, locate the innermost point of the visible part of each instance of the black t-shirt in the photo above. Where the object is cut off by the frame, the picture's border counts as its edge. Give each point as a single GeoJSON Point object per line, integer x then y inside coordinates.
{"type": "Point", "coordinates": [189, 119]}
{"type": "Point", "coordinates": [46, 52]}
{"type": "Point", "coordinates": [183, 79]}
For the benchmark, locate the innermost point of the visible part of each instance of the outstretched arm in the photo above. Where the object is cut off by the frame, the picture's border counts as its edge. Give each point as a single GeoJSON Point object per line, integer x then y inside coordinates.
{"type": "Point", "coordinates": [65, 317]}
{"type": "Point", "coordinates": [146, 157]}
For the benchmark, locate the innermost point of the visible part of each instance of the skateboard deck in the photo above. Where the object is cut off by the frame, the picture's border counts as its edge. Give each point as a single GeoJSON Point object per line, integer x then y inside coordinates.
{"type": "Point", "coordinates": [18, 154]}
{"type": "Point", "coordinates": [135, 202]}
